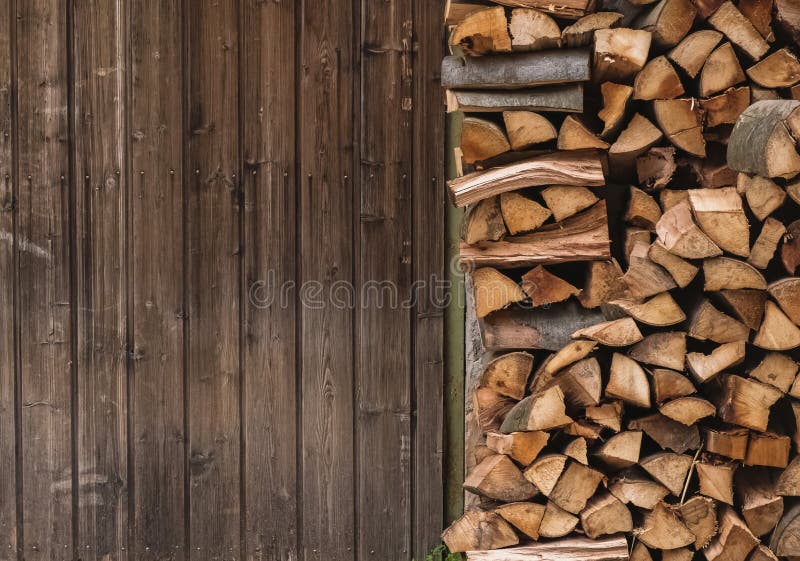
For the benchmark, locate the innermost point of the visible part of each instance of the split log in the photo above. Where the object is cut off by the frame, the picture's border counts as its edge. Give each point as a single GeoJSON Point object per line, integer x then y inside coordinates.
{"type": "Point", "coordinates": [667, 349]}
{"type": "Point", "coordinates": [643, 277]}
{"type": "Point", "coordinates": [584, 429]}
{"type": "Point", "coordinates": [768, 449]}
{"type": "Point", "coordinates": [537, 412]}
{"type": "Point", "coordinates": [520, 214]}
{"type": "Point", "coordinates": [746, 402]}
{"type": "Point", "coordinates": [691, 53]}
{"type": "Point", "coordinates": [498, 478]}
{"type": "Point", "coordinates": [720, 214]}
{"type": "Point", "coordinates": [603, 283]}
{"type": "Point", "coordinates": [581, 383]}
{"type": "Point", "coordinates": [781, 69]}
{"type": "Point", "coordinates": [519, 71]}
{"type": "Point", "coordinates": [563, 168]}
{"type": "Point", "coordinates": [578, 450]}
{"type": "Point", "coordinates": [726, 107]}
{"type": "Point", "coordinates": [604, 515]}
{"type": "Point", "coordinates": [720, 72]}
{"type": "Point", "coordinates": [637, 138]}
{"type": "Point", "coordinates": [525, 517]}
{"type": "Point", "coordinates": [545, 288]}
{"type": "Point", "coordinates": [680, 235]}
{"type": "Point", "coordinates": [545, 471]}
{"type": "Point", "coordinates": [567, 9]}
{"type": "Point", "coordinates": [634, 236]}
{"type": "Point", "coordinates": [617, 333]}
{"type": "Point", "coordinates": [669, 384]}
{"type": "Point", "coordinates": [482, 32]}
{"type": "Point", "coordinates": [759, 12]}
{"type": "Point", "coordinates": [484, 222]}
{"type": "Point", "coordinates": [608, 415]}
{"type": "Point", "coordinates": [657, 80]}
{"type": "Point", "coordinates": [615, 100]}
{"type": "Point", "coordinates": [787, 17]}
{"type": "Point", "coordinates": [747, 305]}
{"type": "Point", "coordinates": [726, 273]}
{"type": "Point", "coordinates": [790, 252]}
{"type": "Point", "coordinates": [670, 470]}
{"type": "Point", "coordinates": [716, 480]}
{"type": "Point", "coordinates": [628, 382]}
{"type": "Point", "coordinates": [508, 374]}
{"type": "Point", "coordinates": [761, 142]}
{"type": "Point", "coordinates": [663, 529]}
{"type": "Point", "coordinates": [709, 324]}
{"type": "Point", "coordinates": [734, 541]}
{"type": "Point", "coordinates": [699, 514]}
{"type": "Point", "coordinates": [490, 408]}
{"type": "Point", "coordinates": [761, 506]}
{"type": "Point", "coordinates": [556, 523]}
{"type": "Point", "coordinates": [788, 484]}
{"type": "Point", "coordinates": [566, 201]}
{"type": "Point", "coordinates": [481, 140]}
{"type": "Point", "coordinates": [581, 33]}
{"type": "Point", "coordinates": [526, 128]}
{"type": "Point", "coordinates": [669, 21]}
{"type": "Point", "coordinates": [659, 311]}
{"type": "Point", "coordinates": [672, 197]}
{"type": "Point", "coordinates": [574, 135]}
{"type": "Point", "coordinates": [640, 551]}
{"type": "Point", "coordinates": [776, 369]}
{"type": "Point", "coordinates": [456, 10]}
{"type": "Point", "coordinates": [532, 30]}
{"type": "Point", "coordinates": [763, 553]}
{"type": "Point", "coordinates": [575, 487]}
{"type": "Point", "coordinates": [706, 367]}
{"type": "Point", "coordinates": [669, 434]}
{"type": "Point", "coordinates": [681, 271]}
{"type": "Point", "coordinates": [619, 54]}
{"type": "Point", "coordinates": [730, 21]}
{"type": "Point", "coordinates": [706, 8]}
{"type": "Point", "coordinates": [656, 167]}
{"type": "Point", "coordinates": [583, 237]}
{"type": "Point", "coordinates": [565, 98]}
{"type": "Point", "coordinates": [687, 410]}
{"type": "Point", "coordinates": [567, 355]}
{"type": "Point", "coordinates": [681, 120]}
{"type": "Point", "coordinates": [796, 412]}
{"type": "Point", "coordinates": [766, 244]}
{"type": "Point", "coordinates": [786, 293]}
{"type": "Point", "coordinates": [638, 490]}
{"type": "Point", "coordinates": [493, 291]}
{"type": "Point", "coordinates": [613, 548]}
{"type": "Point", "coordinates": [731, 443]}
{"type": "Point", "coordinates": [479, 529]}
{"type": "Point", "coordinates": [642, 210]}
{"type": "Point", "coordinates": [777, 332]}
{"type": "Point", "coordinates": [522, 447]}
{"type": "Point", "coordinates": [763, 195]}
{"type": "Point", "coordinates": [621, 450]}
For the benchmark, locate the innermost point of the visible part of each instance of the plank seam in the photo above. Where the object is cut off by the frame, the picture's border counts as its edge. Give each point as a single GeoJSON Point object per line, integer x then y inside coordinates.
{"type": "Point", "coordinates": [298, 265]}
{"type": "Point", "coordinates": [185, 94]}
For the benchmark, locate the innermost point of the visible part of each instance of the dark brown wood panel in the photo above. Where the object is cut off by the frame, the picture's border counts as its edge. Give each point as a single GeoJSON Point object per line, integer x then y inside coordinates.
{"type": "Point", "coordinates": [270, 248]}
{"type": "Point", "coordinates": [156, 281]}
{"type": "Point", "coordinates": [383, 363]}
{"type": "Point", "coordinates": [45, 320]}
{"type": "Point", "coordinates": [101, 182]}
{"type": "Point", "coordinates": [213, 280]}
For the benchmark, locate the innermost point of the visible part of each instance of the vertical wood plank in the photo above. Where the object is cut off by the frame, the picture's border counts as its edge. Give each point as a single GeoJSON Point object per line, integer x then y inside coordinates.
{"type": "Point", "coordinates": [100, 98]}
{"type": "Point", "coordinates": [157, 392]}
{"type": "Point", "coordinates": [383, 367]}
{"type": "Point", "coordinates": [429, 268]}
{"type": "Point", "coordinates": [8, 425]}
{"type": "Point", "coordinates": [44, 299]}
{"type": "Point", "coordinates": [213, 280]}
{"type": "Point", "coordinates": [270, 252]}
{"type": "Point", "coordinates": [327, 264]}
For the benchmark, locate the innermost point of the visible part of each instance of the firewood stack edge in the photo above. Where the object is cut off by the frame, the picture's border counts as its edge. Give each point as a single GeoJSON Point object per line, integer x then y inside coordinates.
{"type": "Point", "coordinates": [631, 173]}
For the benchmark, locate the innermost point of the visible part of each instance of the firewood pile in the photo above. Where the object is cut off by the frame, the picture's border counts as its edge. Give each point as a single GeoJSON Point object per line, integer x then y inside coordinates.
{"type": "Point", "coordinates": [631, 174]}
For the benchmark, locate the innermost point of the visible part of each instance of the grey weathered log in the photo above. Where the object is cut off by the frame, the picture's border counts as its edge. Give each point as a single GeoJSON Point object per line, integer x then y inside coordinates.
{"type": "Point", "coordinates": [761, 142]}
{"type": "Point", "coordinates": [511, 72]}
{"type": "Point", "coordinates": [567, 98]}
{"type": "Point", "coordinates": [611, 548]}
{"type": "Point", "coordinates": [542, 328]}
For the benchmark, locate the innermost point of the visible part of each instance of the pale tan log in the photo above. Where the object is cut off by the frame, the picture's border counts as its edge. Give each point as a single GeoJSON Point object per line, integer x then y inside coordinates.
{"type": "Point", "coordinates": [747, 402]}
{"type": "Point", "coordinates": [656, 167]}
{"type": "Point", "coordinates": [532, 30]}
{"type": "Point", "coordinates": [776, 369]}
{"type": "Point", "coordinates": [721, 71]}
{"type": "Point", "coordinates": [575, 135]}
{"type": "Point", "coordinates": [608, 415]}
{"type": "Point", "coordinates": [735, 540]}
{"type": "Point", "coordinates": [526, 129]}
{"type": "Point", "coordinates": [521, 214]}
{"type": "Point", "coordinates": [617, 333]}
{"type": "Point", "coordinates": [669, 21]}
{"type": "Point", "coordinates": [613, 548]}
{"type": "Point", "coordinates": [691, 53]}
{"type": "Point", "coordinates": [479, 529]}
{"type": "Point", "coordinates": [672, 197]}
{"type": "Point", "coordinates": [490, 408]}
{"type": "Point", "coordinates": [544, 472]}
{"type": "Point", "coordinates": [667, 349]}
{"type": "Point", "coordinates": [498, 478]}
{"type": "Point", "coordinates": [642, 210]}
{"type": "Point", "coordinates": [708, 323]}
{"type": "Point", "coordinates": [766, 244]}
{"type": "Point", "coordinates": [581, 383]}
{"type": "Point", "coordinates": [678, 232]}
{"type": "Point", "coordinates": [747, 305]}
{"type": "Point", "coordinates": [781, 69]}
{"type": "Point", "coordinates": [566, 9]}
{"type": "Point", "coordinates": [786, 293]}
{"type": "Point", "coordinates": [603, 283]}
{"type": "Point", "coordinates": [687, 410]}
{"type": "Point", "coordinates": [768, 449]}
{"type": "Point", "coordinates": [628, 382]}
{"type": "Point", "coordinates": [762, 144]}
{"type": "Point", "coordinates": [570, 354]}
{"type": "Point", "coordinates": [716, 480]}
{"type": "Point", "coordinates": [668, 469]}
{"type": "Point", "coordinates": [542, 411]}
{"type": "Point", "coordinates": [669, 434]}
{"type": "Point", "coordinates": [619, 54]}
{"type": "Point", "coordinates": [788, 484]}
{"type": "Point", "coordinates": [706, 367]}
{"type": "Point", "coordinates": [525, 517]}
{"type": "Point", "coordinates": [669, 384]}
{"type": "Point", "coordinates": [634, 235]}
{"type": "Point", "coordinates": [615, 100]}
{"type": "Point", "coordinates": [725, 108]}
{"type": "Point", "coordinates": [659, 311]}
{"type": "Point", "coordinates": [581, 33]}
{"type": "Point", "coordinates": [522, 447]}
{"type": "Point", "coordinates": [760, 505]}
{"type": "Point", "coordinates": [777, 332]}
{"type": "Point", "coordinates": [481, 140]}
{"type": "Point", "coordinates": [621, 450]}
{"type": "Point", "coordinates": [605, 514]}
{"type": "Point", "coordinates": [456, 10]}
{"type": "Point", "coordinates": [577, 449]}
{"type": "Point", "coordinates": [545, 288]}
{"type": "Point", "coordinates": [575, 487]}
{"type": "Point", "coordinates": [568, 201]}
{"type": "Point", "coordinates": [482, 32]}
{"type": "Point", "coordinates": [663, 529]}
{"type": "Point", "coordinates": [657, 80]}
{"type": "Point", "coordinates": [763, 195]}
{"type": "Point", "coordinates": [584, 429]}
{"type": "Point", "coordinates": [638, 490]}
{"type": "Point", "coordinates": [681, 120]}
{"type": "Point", "coordinates": [681, 271]}
{"type": "Point", "coordinates": [699, 514]}
{"type": "Point", "coordinates": [508, 374]}
{"type": "Point", "coordinates": [643, 277]}
{"type": "Point", "coordinates": [493, 291]}
{"type": "Point", "coordinates": [731, 443]}
{"type": "Point", "coordinates": [637, 138]}
{"type": "Point", "coordinates": [556, 523]}
{"type": "Point", "coordinates": [726, 273]}
{"type": "Point", "coordinates": [484, 222]}
{"type": "Point", "coordinates": [730, 21]}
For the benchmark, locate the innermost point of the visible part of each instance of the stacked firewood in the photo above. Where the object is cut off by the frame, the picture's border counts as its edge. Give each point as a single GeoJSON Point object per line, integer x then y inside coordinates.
{"type": "Point", "coordinates": [631, 171]}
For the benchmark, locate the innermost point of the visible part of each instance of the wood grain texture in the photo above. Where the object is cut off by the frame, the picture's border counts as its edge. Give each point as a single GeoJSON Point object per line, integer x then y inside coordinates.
{"type": "Point", "coordinates": [269, 243]}
{"type": "Point", "coordinates": [156, 282]}
{"type": "Point", "coordinates": [516, 71]}
{"type": "Point", "coordinates": [45, 329]}
{"type": "Point", "coordinates": [327, 191]}
{"type": "Point", "coordinates": [383, 424]}
{"type": "Point", "coordinates": [100, 97]}
{"type": "Point", "coordinates": [213, 281]}
{"type": "Point", "coordinates": [428, 196]}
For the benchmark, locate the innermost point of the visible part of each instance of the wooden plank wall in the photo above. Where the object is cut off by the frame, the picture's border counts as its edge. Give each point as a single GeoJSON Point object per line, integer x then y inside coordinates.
{"type": "Point", "coordinates": [221, 247]}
